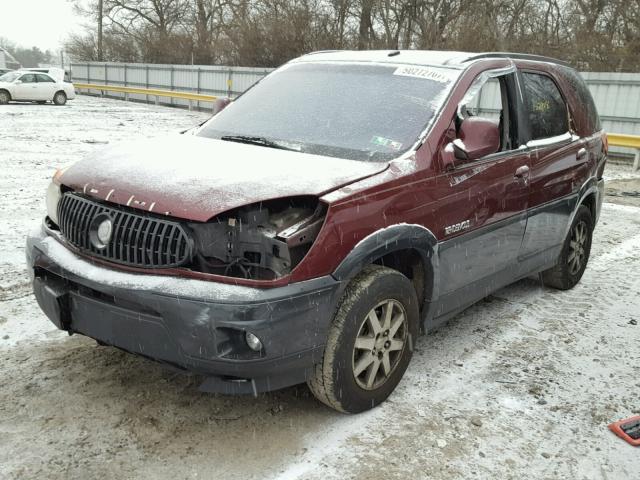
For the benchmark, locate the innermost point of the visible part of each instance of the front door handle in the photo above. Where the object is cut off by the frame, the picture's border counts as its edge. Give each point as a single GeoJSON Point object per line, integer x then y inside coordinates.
{"type": "Point", "coordinates": [522, 172]}
{"type": "Point", "coordinates": [582, 154]}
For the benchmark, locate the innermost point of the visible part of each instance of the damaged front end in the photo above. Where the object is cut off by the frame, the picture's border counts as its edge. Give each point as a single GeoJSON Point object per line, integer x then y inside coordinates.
{"type": "Point", "coordinates": [262, 241]}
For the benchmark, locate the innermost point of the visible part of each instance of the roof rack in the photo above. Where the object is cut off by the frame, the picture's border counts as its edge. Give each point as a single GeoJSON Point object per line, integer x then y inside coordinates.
{"type": "Point", "coordinates": [516, 56]}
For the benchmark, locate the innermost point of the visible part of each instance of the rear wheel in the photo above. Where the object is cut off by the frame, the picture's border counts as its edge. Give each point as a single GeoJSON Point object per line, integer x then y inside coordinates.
{"type": "Point", "coordinates": [60, 98]}
{"type": "Point", "coordinates": [4, 97]}
{"type": "Point", "coordinates": [370, 341]}
{"type": "Point", "coordinates": [575, 253]}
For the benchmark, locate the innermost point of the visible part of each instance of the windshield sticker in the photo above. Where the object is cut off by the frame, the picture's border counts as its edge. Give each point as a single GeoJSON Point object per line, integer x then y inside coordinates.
{"type": "Point", "coordinates": [386, 142]}
{"type": "Point", "coordinates": [421, 72]}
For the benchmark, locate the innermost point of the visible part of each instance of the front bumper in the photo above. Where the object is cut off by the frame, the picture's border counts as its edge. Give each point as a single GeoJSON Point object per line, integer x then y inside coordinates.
{"type": "Point", "coordinates": [194, 325]}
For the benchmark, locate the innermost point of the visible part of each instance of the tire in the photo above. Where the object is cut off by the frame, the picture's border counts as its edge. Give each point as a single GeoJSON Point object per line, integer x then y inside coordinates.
{"type": "Point", "coordinates": [5, 97]}
{"type": "Point", "coordinates": [575, 253]}
{"type": "Point", "coordinates": [60, 98]}
{"type": "Point", "coordinates": [345, 379]}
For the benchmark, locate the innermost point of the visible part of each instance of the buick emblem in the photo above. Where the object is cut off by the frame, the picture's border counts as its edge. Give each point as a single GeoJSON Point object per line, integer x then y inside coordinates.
{"type": "Point", "coordinates": [100, 231]}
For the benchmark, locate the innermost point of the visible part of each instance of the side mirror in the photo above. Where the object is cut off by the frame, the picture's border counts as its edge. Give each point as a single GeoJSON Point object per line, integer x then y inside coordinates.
{"type": "Point", "coordinates": [478, 137]}
{"type": "Point", "coordinates": [220, 104]}
{"type": "Point", "coordinates": [18, 82]}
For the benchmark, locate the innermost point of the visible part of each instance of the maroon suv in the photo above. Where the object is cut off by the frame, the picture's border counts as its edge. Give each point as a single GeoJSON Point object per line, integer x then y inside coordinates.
{"type": "Point", "coordinates": [311, 229]}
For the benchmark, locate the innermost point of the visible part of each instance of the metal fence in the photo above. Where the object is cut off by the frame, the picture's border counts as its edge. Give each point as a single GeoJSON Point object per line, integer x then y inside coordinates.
{"type": "Point", "coordinates": [617, 95]}
{"type": "Point", "coordinates": [202, 79]}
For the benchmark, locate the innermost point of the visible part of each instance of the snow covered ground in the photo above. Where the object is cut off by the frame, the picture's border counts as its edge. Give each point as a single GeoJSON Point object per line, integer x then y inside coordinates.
{"type": "Point", "coordinates": [522, 385]}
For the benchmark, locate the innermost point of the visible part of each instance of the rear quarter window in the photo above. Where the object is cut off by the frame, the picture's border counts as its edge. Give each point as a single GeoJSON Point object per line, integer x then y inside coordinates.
{"type": "Point", "coordinates": [581, 90]}
{"type": "Point", "coordinates": [548, 114]}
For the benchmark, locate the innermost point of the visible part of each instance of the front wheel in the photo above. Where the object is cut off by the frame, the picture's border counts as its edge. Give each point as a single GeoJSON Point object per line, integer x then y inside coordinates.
{"type": "Point", "coordinates": [370, 341]}
{"type": "Point", "coordinates": [575, 253]}
{"type": "Point", "coordinates": [60, 98]}
{"type": "Point", "coordinates": [4, 97]}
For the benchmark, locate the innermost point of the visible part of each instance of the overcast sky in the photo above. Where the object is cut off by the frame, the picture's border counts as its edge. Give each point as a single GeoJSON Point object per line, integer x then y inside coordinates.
{"type": "Point", "coordinates": [41, 23]}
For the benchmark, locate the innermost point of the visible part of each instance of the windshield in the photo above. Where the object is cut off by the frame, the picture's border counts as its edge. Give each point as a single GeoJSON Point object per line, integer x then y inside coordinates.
{"type": "Point", "coordinates": [9, 77]}
{"type": "Point", "coordinates": [355, 111]}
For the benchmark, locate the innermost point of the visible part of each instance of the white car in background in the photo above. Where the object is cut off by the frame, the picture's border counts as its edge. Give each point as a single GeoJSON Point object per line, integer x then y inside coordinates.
{"type": "Point", "coordinates": [58, 74]}
{"type": "Point", "coordinates": [30, 86]}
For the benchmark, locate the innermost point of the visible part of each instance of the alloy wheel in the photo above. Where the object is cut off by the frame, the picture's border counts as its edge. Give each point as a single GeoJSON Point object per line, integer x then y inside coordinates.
{"type": "Point", "coordinates": [379, 344]}
{"type": "Point", "coordinates": [577, 246]}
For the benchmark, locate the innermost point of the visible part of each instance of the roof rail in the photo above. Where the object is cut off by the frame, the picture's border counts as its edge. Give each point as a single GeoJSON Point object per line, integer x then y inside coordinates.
{"type": "Point", "coordinates": [322, 51]}
{"type": "Point", "coordinates": [516, 56]}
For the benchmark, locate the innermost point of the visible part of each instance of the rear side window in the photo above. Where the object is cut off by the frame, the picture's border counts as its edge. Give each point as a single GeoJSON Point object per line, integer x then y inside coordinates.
{"type": "Point", "coordinates": [44, 78]}
{"type": "Point", "coordinates": [548, 115]}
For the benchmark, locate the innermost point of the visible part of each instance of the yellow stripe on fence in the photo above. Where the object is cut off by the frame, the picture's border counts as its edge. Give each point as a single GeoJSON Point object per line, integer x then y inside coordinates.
{"type": "Point", "coordinates": [629, 141]}
{"type": "Point", "coordinates": [152, 92]}
{"type": "Point", "coordinates": [620, 140]}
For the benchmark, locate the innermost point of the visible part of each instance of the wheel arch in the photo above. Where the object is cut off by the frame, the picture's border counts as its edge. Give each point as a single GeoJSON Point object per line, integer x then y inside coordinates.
{"type": "Point", "coordinates": [590, 200]}
{"type": "Point", "coordinates": [409, 249]}
{"type": "Point", "coordinates": [588, 196]}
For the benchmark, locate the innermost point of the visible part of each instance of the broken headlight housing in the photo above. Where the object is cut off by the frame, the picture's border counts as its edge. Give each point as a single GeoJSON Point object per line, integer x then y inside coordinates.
{"type": "Point", "coordinates": [54, 194]}
{"type": "Point", "coordinates": [262, 241]}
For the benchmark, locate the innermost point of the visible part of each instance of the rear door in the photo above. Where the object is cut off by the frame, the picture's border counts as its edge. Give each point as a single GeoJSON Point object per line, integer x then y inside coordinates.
{"type": "Point", "coordinates": [484, 214]}
{"type": "Point", "coordinates": [557, 158]}
{"type": "Point", "coordinates": [46, 87]}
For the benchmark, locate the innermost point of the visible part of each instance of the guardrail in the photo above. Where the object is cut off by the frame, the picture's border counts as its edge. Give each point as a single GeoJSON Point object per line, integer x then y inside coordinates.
{"type": "Point", "coordinates": [628, 141]}
{"type": "Point", "coordinates": [616, 139]}
{"type": "Point", "coordinates": [149, 92]}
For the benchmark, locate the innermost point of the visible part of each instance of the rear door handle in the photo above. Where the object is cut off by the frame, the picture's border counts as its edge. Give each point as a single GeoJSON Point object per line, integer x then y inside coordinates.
{"type": "Point", "coordinates": [582, 154]}
{"type": "Point", "coordinates": [522, 172]}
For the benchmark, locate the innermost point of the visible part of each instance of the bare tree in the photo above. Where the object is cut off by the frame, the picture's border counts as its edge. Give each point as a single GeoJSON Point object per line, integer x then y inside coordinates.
{"type": "Point", "coordinates": [593, 34]}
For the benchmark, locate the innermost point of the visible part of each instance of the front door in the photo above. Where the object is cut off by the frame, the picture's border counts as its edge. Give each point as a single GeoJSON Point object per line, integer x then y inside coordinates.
{"type": "Point", "coordinates": [483, 216]}
{"type": "Point", "coordinates": [27, 89]}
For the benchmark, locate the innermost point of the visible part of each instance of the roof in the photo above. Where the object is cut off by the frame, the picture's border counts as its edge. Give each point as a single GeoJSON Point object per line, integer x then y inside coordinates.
{"type": "Point", "coordinates": [445, 58]}
{"type": "Point", "coordinates": [412, 57]}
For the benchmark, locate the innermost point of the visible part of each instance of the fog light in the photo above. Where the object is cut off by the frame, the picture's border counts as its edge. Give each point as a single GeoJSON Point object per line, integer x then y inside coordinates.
{"type": "Point", "coordinates": [254, 342]}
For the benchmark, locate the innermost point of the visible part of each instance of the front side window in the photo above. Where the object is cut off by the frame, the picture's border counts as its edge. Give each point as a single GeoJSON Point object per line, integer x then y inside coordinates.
{"type": "Point", "coordinates": [548, 114]}
{"type": "Point", "coordinates": [28, 78]}
{"type": "Point", "coordinates": [490, 98]}
{"type": "Point", "coordinates": [371, 112]}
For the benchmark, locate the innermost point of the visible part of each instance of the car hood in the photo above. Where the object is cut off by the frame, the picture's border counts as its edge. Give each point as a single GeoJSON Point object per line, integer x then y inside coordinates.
{"type": "Point", "coordinates": [196, 178]}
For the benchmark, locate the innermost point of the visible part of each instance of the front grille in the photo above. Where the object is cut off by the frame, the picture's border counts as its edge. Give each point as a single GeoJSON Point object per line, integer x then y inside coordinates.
{"type": "Point", "coordinates": [137, 239]}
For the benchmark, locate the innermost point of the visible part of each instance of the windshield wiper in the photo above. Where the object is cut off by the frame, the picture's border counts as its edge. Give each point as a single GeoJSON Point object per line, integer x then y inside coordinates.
{"type": "Point", "coordinates": [264, 142]}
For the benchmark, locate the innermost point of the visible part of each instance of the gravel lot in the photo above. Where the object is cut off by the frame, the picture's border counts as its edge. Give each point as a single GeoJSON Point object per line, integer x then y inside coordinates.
{"type": "Point", "coordinates": [522, 385]}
